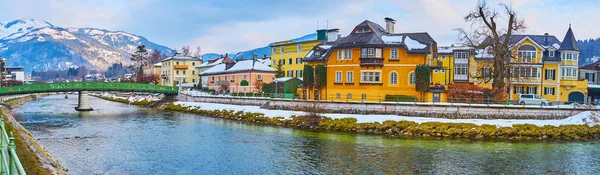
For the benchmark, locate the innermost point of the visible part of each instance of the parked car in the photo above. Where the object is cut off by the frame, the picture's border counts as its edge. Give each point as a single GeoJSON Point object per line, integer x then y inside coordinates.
{"type": "Point", "coordinates": [532, 99]}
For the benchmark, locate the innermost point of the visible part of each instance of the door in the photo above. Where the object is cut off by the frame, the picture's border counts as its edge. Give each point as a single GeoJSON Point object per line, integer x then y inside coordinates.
{"type": "Point", "coordinates": [576, 97]}
{"type": "Point", "coordinates": [436, 97]}
{"type": "Point", "coordinates": [316, 95]}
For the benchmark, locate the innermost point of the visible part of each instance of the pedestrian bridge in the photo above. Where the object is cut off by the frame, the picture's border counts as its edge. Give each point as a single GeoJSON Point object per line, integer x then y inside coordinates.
{"type": "Point", "coordinates": [84, 87]}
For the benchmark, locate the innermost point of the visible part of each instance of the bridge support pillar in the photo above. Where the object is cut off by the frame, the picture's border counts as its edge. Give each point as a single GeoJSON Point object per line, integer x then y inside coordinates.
{"type": "Point", "coordinates": [84, 104]}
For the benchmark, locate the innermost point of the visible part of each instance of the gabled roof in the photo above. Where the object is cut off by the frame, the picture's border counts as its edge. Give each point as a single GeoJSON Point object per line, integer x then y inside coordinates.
{"type": "Point", "coordinates": [420, 42]}
{"type": "Point", "coordinates": [542, 40]}
{"type": "Point", "coordinates": [569, 43]}
{"type": "Point", "coordinates": [179, 57]}
{"type": "Point", "coordinates": [323, 47]}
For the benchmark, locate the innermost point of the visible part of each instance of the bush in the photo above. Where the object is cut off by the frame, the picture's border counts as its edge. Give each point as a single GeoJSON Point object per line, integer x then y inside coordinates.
{"type": "Point", "coordinates": [400, 98]}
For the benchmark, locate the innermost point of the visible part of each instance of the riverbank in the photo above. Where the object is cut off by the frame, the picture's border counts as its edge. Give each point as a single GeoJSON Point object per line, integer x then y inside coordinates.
{"type": "Point", "coordinates": [34, 158]}
{"type": "Point", "coordinates": [134, 100]}
{"type": "Point", "coordinates": [583, 126]}
{"type": "Point", "coordinates": [309, 121]}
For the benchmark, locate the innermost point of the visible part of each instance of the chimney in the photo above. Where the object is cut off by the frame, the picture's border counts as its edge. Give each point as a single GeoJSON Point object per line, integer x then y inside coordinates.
{"type": "Point", "coordinates": [389, 24]}
{"type": "Point", "coordinates": [332, 35]}
{"type": "Point", "coordinates": [226, 55]}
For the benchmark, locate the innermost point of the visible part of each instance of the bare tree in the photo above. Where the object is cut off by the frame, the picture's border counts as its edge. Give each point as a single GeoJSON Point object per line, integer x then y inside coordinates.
{"type": "Point", "coordinates": [155, 56]}
{"type": "Point", "coordinates": [185, 51]}
{"type": "Point", "coordinates": [495, 40]}
{"type": "Point", "coordinates": [197, 53]}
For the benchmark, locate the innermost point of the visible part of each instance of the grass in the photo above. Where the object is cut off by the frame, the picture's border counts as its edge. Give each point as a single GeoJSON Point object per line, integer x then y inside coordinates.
{"type": "Point", "coordinates": [28, 158]}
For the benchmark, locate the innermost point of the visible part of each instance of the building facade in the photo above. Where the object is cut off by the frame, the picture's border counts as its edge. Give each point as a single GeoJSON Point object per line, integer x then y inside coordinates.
{"type": "Point", "coordinates": [240, 76]}
{"type": "Point", "coordinates": [289, 54]}
{"type": "Point", "coordinates": [179, 70]}
{"type": "Point", "coordinates": [374, 64]}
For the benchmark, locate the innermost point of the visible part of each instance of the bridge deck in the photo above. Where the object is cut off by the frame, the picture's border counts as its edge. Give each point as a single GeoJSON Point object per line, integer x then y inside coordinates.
{"type": "Point", "coordinates": [87, 86]}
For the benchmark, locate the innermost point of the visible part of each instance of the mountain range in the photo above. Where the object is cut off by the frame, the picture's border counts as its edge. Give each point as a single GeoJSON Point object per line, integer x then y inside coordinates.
{"type": "Point", "coordinates": [38, 45]}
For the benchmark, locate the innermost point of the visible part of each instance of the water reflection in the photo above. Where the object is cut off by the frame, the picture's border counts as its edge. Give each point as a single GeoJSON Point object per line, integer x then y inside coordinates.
{"type": "Point", "coordinates": [121, 139]}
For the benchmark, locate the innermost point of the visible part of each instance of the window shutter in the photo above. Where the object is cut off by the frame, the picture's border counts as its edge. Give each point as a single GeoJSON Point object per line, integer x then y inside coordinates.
{"type": "Point", "coordinates": [546, 74]}
{"type": "Point", "coordinates": [554, 74]}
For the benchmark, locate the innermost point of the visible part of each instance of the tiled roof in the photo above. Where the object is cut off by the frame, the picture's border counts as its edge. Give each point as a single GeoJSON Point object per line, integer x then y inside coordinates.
{"type": "Point", "coordinates": [179, 57]}
{"type": "Point", "coordinates": [593, 66]}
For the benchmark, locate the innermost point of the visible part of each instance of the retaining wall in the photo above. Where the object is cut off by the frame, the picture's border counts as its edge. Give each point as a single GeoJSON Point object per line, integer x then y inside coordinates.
{"type": "Point", "coordinates": [401, 108]}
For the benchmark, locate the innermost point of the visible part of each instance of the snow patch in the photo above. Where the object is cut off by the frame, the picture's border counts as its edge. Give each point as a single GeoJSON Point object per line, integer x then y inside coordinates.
{"type": "Point", "coordinates": [413, 44]}
{"type": "Point", "coordinates": [589, 118]}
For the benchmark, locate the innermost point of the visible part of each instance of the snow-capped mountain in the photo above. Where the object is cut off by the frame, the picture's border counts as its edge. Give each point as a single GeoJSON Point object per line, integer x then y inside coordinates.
{"type": "Point", "coordinates": [39, 45]}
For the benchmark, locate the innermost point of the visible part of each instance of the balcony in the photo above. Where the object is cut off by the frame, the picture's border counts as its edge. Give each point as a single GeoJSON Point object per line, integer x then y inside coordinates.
{"type": "Point", "coordinates": [180, 66]}
{"type": "Point", "coordinates": [371, 61]}
{"type": "Point", "coordinates": [461, 61]}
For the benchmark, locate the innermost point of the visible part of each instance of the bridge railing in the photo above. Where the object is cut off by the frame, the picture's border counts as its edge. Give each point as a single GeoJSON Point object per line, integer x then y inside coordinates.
{"type": "Point", "coordinates": [87, 86]}
{"type": "Point", "coordinates": [10, 163]}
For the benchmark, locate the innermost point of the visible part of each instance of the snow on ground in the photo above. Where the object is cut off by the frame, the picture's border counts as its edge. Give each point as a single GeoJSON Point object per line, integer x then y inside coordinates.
{"type": "Point", "coordinates": [588, 117]}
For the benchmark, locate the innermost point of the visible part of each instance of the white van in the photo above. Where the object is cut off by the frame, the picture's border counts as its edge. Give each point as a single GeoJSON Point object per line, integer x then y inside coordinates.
{"type": "Point", "coordinates": [532, 99]}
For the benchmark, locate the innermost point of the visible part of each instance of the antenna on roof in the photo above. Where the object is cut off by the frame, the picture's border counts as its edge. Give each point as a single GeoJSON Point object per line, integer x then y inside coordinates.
{"type": "Point", "coordinates": [327, 25]}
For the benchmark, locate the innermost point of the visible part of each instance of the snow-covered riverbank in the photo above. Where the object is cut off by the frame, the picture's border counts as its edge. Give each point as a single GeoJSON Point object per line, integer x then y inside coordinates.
{"type": "Point", "coordinates": [588, 117]}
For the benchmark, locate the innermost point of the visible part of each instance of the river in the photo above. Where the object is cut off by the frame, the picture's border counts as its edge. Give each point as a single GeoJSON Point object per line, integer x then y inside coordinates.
{"type": "Point", "coordinates": [119, 139]}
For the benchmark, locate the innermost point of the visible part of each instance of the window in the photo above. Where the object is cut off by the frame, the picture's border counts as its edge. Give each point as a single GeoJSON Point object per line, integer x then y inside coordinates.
{"type": "Point", "coordinates": [393, 78]}
{"type": "Point", "coordinates": [411, 78]}
{"type": "Point", "coordinates": [551, 53]}
{"type": "Point", "coordinates": [443, 57]}
{"type": "Point", "coordinates": [212, 79]}
{"type": "Point", "coordinates": [317, 53]}
{"type": "Point", "coordinates": [486, 72]}
{"type": "Point", "coordinates": [281, 49]}
{"type": "Point", "coordinates": [370, 53]}
{"type": "Point", "coordinates": [591, 77]}
{"type": "Point", "coordinates": [299, 47]}
{"type": "Point", "coordinates": [290, 61]}
{"type": "Point", "coordinates": [177, 63]}
{"type": "Point", "coordinates": [337, 95]}
{"type": "Point", "coordinates": [531, 90]}
{"type": "Point", "coordinates": [273, 50]}
{"type": "Point", "coordinates": [349, 96]}
{"type": "Point", "coordinates": [183, 72]}
{"type": "Point", "coordinates": [290, 73]}
{"type": "Point", "coordinates": [348, 54]}
{"type": "Point", "coordinates": [569, 73]}
{"type": "Point", "coordinates": [193, 63]}
{"type": "Point", "coordinates": [550, 74]}
{"type": "Point", "coordinates": [364, 96]}
{"type": "Point", "coordinates": [232, 78]}
{"type": "Point", "coordinates": [362, 30]}
{"type": "Point", "coordinates": [274, 63]}
{"type": "Point", "coordinates": [193, 80]}
{"type": "Point", "coordinates": [435, 71]}
{"type": "Point", "coordinates": [282, 61]}
{"type": "Point", "coordinates": [518, 90]}
{"type": "Point", "coordinates": [193, 72]}
{"type": "Point", "coordinates": [443, 71]}
{"type": "Point", "coordinates": [298, 60]}
{"type": "Point", "coordinates": [225, 77]}
{"type": "Point", "coordinates": [548, 91]}
{"type": "Point", "coordinates": [339, 55]}
{"type": "Point", "coordinates": [259, 77]}
{"type": "Point", "coordinates": [460, 69]}
{"type": "Point", "coordinates": [526, 72]}
{"type": "Point", "coordinates": [349, 76]}
{"type": "Point", "coordinates": [338, 77]}
{"type": "Point", "coordinates": [394, 54]}
{"type": "Point", "coordinates": [526, 54]}
{"type": "Point", "coordinates": [299, 73]}
{"type": "Point", "coordinates": [244, 77]}
{"type": "Point", "coordinates": [461, 56]}
{"type": "Point", "coordinates": [219, 78]}
{"type": "Point", "coordinates": [177, 72]}
{"type": "Point", "coordinates": [371, 77]}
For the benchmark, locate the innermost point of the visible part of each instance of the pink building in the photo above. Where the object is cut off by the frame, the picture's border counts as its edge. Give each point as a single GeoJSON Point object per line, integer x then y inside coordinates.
{"type": "Point", "coordinates": [241, 76]}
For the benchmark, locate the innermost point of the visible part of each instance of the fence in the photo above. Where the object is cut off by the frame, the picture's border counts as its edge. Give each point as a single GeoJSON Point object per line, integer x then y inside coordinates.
{"type": "Point", "coordinates": [7, 145]}
{"type": "Point", "coordinates": [408, 100]}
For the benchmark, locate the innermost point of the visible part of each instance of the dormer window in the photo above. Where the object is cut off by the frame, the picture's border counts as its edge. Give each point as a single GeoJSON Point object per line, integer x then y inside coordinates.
{"type": "Point", "coordinates": [317, 53]}
{"type": "Point", "coordinates": [551, 53]}
{"type": "Point", "coordinates": [362, 30]}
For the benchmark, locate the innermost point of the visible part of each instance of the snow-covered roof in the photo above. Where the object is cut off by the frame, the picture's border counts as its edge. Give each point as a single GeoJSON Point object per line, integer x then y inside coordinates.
{"type": "Point", "coordinates": [211, 63]}
{"type": "Point", "coordinates": [158, 65]}
{"type": "Point", "coordinates": [284, 79]}
{"type": "Point", "coordinates": [484, 53]}
{"type": "Point", "coordinates": [451, 49]}
{"type": "Point", "coordinates": [594, 86]}
{"type": "Point", "coordinates": [179, 57]}
{"type": "Point", "coordinates": [398, 39]}
{"type": "Point", "coordinates": [239, 66]}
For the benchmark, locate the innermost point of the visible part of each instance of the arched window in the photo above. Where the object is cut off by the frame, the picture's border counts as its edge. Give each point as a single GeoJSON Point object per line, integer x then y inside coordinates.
{"type": "Point", "coordinates": [411, 78]}
{"type": "Point", "coordinates": [526, 54]}
{"type": "Point", "coordinates": [393, 78]}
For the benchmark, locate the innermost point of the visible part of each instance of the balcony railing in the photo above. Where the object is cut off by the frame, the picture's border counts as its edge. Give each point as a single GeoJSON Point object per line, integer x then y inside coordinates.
{"type": "Point", "coordinates": [223, 82]}
{"type": "Point", "coordinates": [436, 63]}
{"type": "Point", "coordinates": [371, 61]}
{"type": "Point", "coordinates": [180, 66]}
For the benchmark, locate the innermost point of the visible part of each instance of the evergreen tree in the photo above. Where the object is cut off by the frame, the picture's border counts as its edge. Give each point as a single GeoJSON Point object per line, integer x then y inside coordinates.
{"type": "Point", "coordinates": [279, 71]}
{"type": "Point", "coordinates": [139, 59]}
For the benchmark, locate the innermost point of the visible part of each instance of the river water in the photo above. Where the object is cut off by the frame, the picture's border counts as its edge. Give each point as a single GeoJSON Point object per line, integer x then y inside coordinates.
{"type": "Point", "coordinates": [119, 139]}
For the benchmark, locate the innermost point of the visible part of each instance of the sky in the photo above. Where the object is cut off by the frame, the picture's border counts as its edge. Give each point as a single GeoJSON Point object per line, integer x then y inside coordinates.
{"type": "Point", "coordinates": [219, 26]}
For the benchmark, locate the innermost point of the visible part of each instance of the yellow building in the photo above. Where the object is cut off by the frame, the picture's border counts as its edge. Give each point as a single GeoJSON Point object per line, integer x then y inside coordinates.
{"type": "Point", "coordinates": [289, 54]}
{"type": "Point", "coordinates": [154, 69]}
{"type": "Point", "coordinates": [179, 71]}
{"type": "Point", "coordinates": [373, 63]}
{"type": "Point", "coordinates": [540, 65]}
